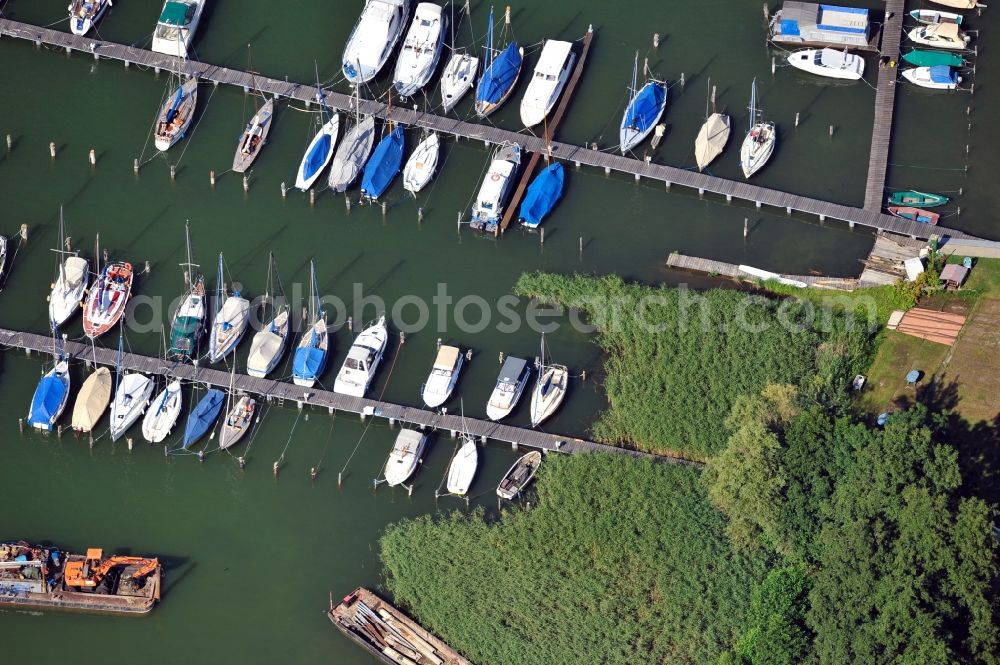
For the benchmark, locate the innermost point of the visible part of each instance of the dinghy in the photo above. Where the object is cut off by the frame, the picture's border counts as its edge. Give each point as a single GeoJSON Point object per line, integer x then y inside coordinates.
{"type": "Point", "coordinates": [494, 193]}
{"type": "Point", "coordinates": [940, 35]}
{"type": "Point", "coordinates": [510, 384]}
{"type": "Point", "coordinates": [931, 16]}
{"type": "Point", "coordinates": [268, 345]}
{"type": "Point", "coordinates": [50, 397]}
{"type": "Point", "coordinates": [352, 153]}
{"type": "Point", "coordinates": [644, 110]}
{"type": "Point", "coordinates": [758, 146]}
{"type": "Point", "coordinates": [550, 388]}
{"type": "Point", "coordinates": [70, 286]}
{"type": "Point", "coordinates": [519, 476]}
{"type": "Point", "coordinates": [254, 137]}
{"type": "Point", "coordinates": [238, 421]}
{"type": "Point", "coordinates": [919, 58]}
{"type": "Point", "coordinates": [384, 164]}
{"type": "Point", "coordinates": [828, 62]}
{"type": "Point", "coordinates": [499, 76]}
{"type": "Point", "coordinates": [176, 115]}
{"type": "Point", "coordinates": [915, 214]}
{"type": "Point", "coordinates": [422, 164]}
{"type": "Point", "coordinates": [318, 154]}
{"type": "Point", "coordinates": [421, 49]}
{"type": "Point", "coordinates": [457, 79]}
{"type": "Point", "coordinates": [202, 417]}
{"type": "Point", "coordinates": [443, 377]}
{"type": "Point", "coordinates": [163, 413]}
{"type": "Point", "coordinates": [176, 27]}
{"type": "Point", "coordinates": [131, 400]}
{"type": "Point", "coordinates": [404, 457]}
{"type": "Point", "coordinates": [92, 400]}
{"type": "Point", "coordinates": [232, 315]}
{"type": "Point", "coordinates": [310, 356]}
{"type": "Point", "coordinates": [374, 36]}
{"type": "Point", "coordinates": [551, 73]}
{"type": "Point", "coordinates": [84, 14]}
{"type": "Point", "coordinates": [917, 199]}
{"type": "Point", "coordinates": [107, 299]}
{"type": "Point", "coordinates": [463, 466]}
{"type": "Point", "coordinates": [188, 323]}
{"type": "Point", "coordinates": [542, 196]}
{"type": "Point", "coordinates": [938, 77]}
{"type": "Point", "coordinates": [363, 358]}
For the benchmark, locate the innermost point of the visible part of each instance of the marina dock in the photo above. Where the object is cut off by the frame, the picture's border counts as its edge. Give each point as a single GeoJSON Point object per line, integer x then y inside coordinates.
{"type": "Point", "coordinates": [733, 271]}
{"type": "Point", "coordinates": [885, 104]}
{"type": "Point", "coordinates": [870, 216]}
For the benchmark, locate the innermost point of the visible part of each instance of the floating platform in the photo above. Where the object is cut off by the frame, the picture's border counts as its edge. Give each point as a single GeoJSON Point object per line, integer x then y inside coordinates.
{"type": "Point", "coordinates": [805, 24]}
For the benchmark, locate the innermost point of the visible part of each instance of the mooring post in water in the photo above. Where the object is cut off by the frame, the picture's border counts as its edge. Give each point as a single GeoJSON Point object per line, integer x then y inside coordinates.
{"type": "Point", "coordinates": [246, 184]}
{"type": "Point", "coordinates": [92, 157]}
{"type": "Point", "coordinates": [383, 208]}
{"type": "Point", "coordinates": [147, 267]}
{"type": "Point", "coordinates": [52, 149]}
{"type": "Point", "coordinates": [20, 425]}
{"type": "Point", "coordinates": [129, 442]}
{"type": "Point", "coordinates": [796, 118]}
{"type": "Point", "coordinates": [284, 190]}
{"type": "Point", "coordinates": [774, 67]}
{"type": "Point", "coordinates": [746, 226]}
{"type": "Point", "coordinates": [458, 225]}
{"type": "Point", "coordinates": [420, 215]}
{"type": "Point", "coordinates": [173, 172]}
{"type": "Point", "coordinates": [275, 468]}
{"type": "Point", "coordinates": [135, 166]}
{"type": "Point", "coordinates": [312, 197]}
{"type": "Point", "coordinates": [242, 462]}
{"type": "Point", "coordinates": [211, 178]}
{"type": "Point", "coordinates": [541, 236]}
{"type": "Point", "coordinates": [10, 142]}
{"type": "Point", "coordinates": [682, 80]}
{"type": "Point", "coordinates": [501, 357]}
{"type": "Point", "coordinates": [312, 474]}
{"type": "Point", "coordinates": [656, 40]}
{"type": "Point", "coordinates": [350, 324]}
{"type": "Point", "coordinates": [831, 131]}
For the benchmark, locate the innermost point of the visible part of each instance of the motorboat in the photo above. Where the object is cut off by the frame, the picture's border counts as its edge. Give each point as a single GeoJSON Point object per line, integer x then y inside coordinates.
{"type": "Point", "coordinates": [363, 358]}
{"type": "Point", "coordinates": [84, 14]}
{"type": "Point", "coordinates": [92, 401]}
{"type": "Point", "coordinates": [176, 115]}
{"type": "Point", "coordinates": [131, 399]}
{"type": "Point", "coordinates": [374, 36]}
{"type": "Point", "coordinates": [499, 183]}
{"type": "Point", "coordinates": [422, 164]}
{"type": "Point", "coordinates": [644, 110]}
{"type": "Point", "coordinates": [938, 77]}
{"type": "Point", "coordinates": [542, 196]}
{"type": "Point", "coordinates": [163, 413]}
{"type": "Point", "coordinates": [107, 299]}
{"type": "Point", "coordinates": [940, 35]}
{"type": "Point", "coordinates": [457, 79]}
{"type": "Point", "coordinates": [254, 137]}
{"type": "Point", "coordinates": [232, 315]}
{"type": "Point", "coordinates": [268, 344]}
{"type": "Point", "coordinates": [50, 397]}
{"type": "Point", "coordinates": [310, 355]}
{"type": "Point", "coordinates": [318, 154]}
{"type": "Point", "coordinates": [510, 384]}
{"type": "Point", "coordinates": [202, 417]}
{"type": "Point", "coordinates": [914, 214]}
{"type": "Point", "coordinates": [917, 199]}
{"type": "Point", "coordinates": [462, 468]}
{"type": "Point", "coordinates": [176, 27]}
{"type": "Point", "coordinates": [828, 62]}
{"type": "Point", "coordinates": [931, 16]}
{"type": "Point", "coordinates": [920, 58]}
{"type": "Point", "coordinates": [519, 476]}
{"type": "Point", "coordinates": [547, 82]}
{"type": "Point", "coordinates": [238, 421]}
{"type": "Point", "coordinates": [550, 388]}
{"type": "Point", "coordinates": [958, 4]}
{"type": "Point", "coordinates": [352, 154]}
{"type": "Point", "coordinates": [758, 146]}
{"type": "Point", "coordinates": [188, 324]}
{"type": "Point", "coordinates": [500, 74]}
{"type": "Point", "coordinates": [405, 456]}
{"type": "Point", "coordinates": [70, 285]}
{"type": "Point", "coordinates": [384, 164]}
{"type": "Point", "coordinates": [421, 49]}
{"type": "Point", "coordinates": [443, 377]}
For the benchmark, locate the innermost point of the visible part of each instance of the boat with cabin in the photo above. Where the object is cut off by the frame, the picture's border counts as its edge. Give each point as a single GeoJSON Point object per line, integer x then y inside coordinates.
{"type": "Point", "coordinates": [938, 77]}
{"type": "Point", "coordinates": [917, 199]}
{"type": "Point", "coordinates": [513, 377]}
{"type": "Point", "coordinates": [310, 355]}
{"type": "Point", "coordinates": [958, 4]}
{"type": "Point", "coordinates": [176, 115]}
{"type": "Point", "coordinates": [84, 15]}
{"type": "Point", "coordinates": [758, 146]}
{"type": "Point", "coordinates": [384, 164]}
{"type": "Point", "coordinates": [363, 358]}
{"type": "Point", "coordinates": [644, 110]}
{"type": "Point", "coordinates": [176, 27]}
{"type": "Point", "coordinates": [374, 37]}
{"type": "Point", "coordinates": [107, 299]}
{"type": "Point", "coordinates": [202, 417]}
{"type": "Point", "coordinates": [828, 62]}
{"type": "Point", "coordinates": [552, 71]}
{"type": "Point", "coordinates": [421, 52]}
{"type": "Point", "coordinates": [132, 393]}
{"type": "Point", "coordinates": [268, 344]}
{"type": "Point", "coordinates": [914, 214]}
{"type": "Point", "coordinates": [940, 35]}
{"type": "Point", "coordinates": [163, 413]}
{"type": "Point", "coordinates": [70, 285]}
{"type": "Point", "coordinates": [542, 196]}
{"type": "Point", "coordinates": [457, 79]}
{"type": "Point", "coordinates": [92, 401]}
{"type": "Point", "coordinates": [498, 185]}
{"type": "Point", "coordinates": [232, 314]}
{"type": "Point", "coordinates": [550, 388]}
{"type": "Point", "coordinates": [519, 476]}
{"type": "Point", "coordinates": [406, 454]}
{"type": "Point", "coordinates": [422, 164]}
{"type": "Point", "coordinates": [239, 417]}
{"type": "Point", "coordinates": [50, 396]}
{"type": "Point", "coordinates": [932, 16]}
{"type": "Point", "coordinates": [500, 73]}
{"type": "Point", "coordinates": [444, 375]}
{"type": "Point", "coordinates": [920, 58]}
{"type": "Point", "coordinates": [188, 322]}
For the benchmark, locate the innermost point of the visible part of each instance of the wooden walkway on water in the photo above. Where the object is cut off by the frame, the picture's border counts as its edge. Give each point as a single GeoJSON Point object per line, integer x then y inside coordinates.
{"type": "Point", "coordinates": [885, 103]}
{"type": "Point", "coordinates": [280, 391]}
{"type": "Point", "coordinates": [870, 216]}
{"type": "Point", "coordinates": [733, 271]}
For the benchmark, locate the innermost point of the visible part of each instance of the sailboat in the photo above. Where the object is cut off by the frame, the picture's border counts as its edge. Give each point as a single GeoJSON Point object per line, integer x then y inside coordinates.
{"type": "Point", "coordinates": [542, 196]}
{"type": "Point", "coordinates": [500, 74]}
{"type": "Point", "coordinates": [71, 283]}
{"type": "Point", "coordinates": [519, 476]}
{"type": "Point", "coordinates": [254, 137]}
{"type": "Point", "coordinates": [232, 314]}
{"type": "Point", "coordinates": [758, 146]}
{"type": "Point", "coordinates": [374, 37]}
{"type": "Point", "coordinates": [462, 468]}
{"type": "Point", "coordinates": [310, 356]}
{"type": "Point", "coordinates": [268, 345]}
{"type": "Point", "coordinates": [176, 115]}
{"type": "Point", "coordinates": [645, 108]}
{"type": "Point", "coordinates": [189, 318]}
{"type": "Point", "coordinates": [132, 393]}
{"type": "Point", "coordinates": [550, 388]}
{"type": "Point", "coordinates": [384, 164]}
{"type": "Point", "coordinates": [202, 417]}
{"type": "Point", "coordinates": [84, 14]}
{"type": "Point", "coordinates": [421, 49]}
{"type": "Point", "coordinates": [422, 164]}
{"type": "Point", "coordinates": [320, 149]}
{"type": "Point", "coordinates": [363, 358]}
{"type": "Point", "coordinates": [106, 301]}
{"type": "Point", "coordinates": [458, 76]}
{"type": "Point", "coordinates": [353, 151]}
{"type": "Point", "coordinates": [92, 400]}
{"type": "Point", "coordinates": [551, 73]}
{"type": "Point", "coordinates": [50, 396]}
{"type": "Point", "coordinates": [404, 457]}
{"type": "Point", "coordinates": [163, 413]}
{"type": "Point", "coordinates": [713, 135]}
{"type": "Point", "coordinates": [239, 416]}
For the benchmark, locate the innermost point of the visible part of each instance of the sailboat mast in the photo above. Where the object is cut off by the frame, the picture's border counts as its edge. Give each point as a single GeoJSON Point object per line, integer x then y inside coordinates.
{"type": "Point", "coordinates": [489, 41]}
{"type": "Point", "coordinates": [118, 360]}
{"type": "Point", "coordinates": [312, 293]}
{"type": "Point", "coordinates": [708, 96]}
{"type": "Point", "coordinates": [635, 74]}
{"type": "Point", "coordinates": [221, 288]}
{"type": "Point", "coordinates": [753, 103]}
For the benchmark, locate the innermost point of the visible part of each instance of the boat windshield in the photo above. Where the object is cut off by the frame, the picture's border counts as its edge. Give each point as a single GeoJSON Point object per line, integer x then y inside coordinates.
{"type": "Point", "coordinates": [354, 363]}
{"type": "Point", "coordinates": [168, 32]}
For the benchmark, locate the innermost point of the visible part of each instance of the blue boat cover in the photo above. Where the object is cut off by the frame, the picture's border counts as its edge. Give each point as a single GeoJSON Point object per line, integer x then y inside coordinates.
{"type": "Point", "coordinates": [308, 362]}
{"type": "Point", "coordinates": [543, 194]}
{"type": "Point", "coordinates": [47, 401]}
{"type": "Point", "coordinates": [942, 74]}
{"type": "Point", "coordinates": [384, 164]}
{"type": "Point", "coordinates": [500, 75]}
{"type": "Point", "coordinates": [317, 156]}
{"type": "Point", "coordinates": [203, 416]}
{"type": "Point", "coordinates": [645, 108]}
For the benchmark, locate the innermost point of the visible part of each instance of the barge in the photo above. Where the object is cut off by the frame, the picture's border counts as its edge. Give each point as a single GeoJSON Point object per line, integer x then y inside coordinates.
{"type": "Point", "coordinates": [388, 634]}
{"type": "Point", "coordinates": [46, 578]}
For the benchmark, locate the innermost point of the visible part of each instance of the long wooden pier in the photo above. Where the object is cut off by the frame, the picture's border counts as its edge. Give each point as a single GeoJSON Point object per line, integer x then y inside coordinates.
{"type": "Point", "coordinates": [885, 103]}
{"type": "Point", "coordinates": [578, 155]}
{"type": "Point", "coordinates": [733, 271]}
{"type": "Point", "coordinates": [277, 390]}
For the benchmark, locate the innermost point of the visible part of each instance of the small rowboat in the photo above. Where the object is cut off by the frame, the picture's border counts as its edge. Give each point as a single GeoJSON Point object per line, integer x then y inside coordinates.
{"type": "Point", "coordinates": [519, 475]}
{"type": "Point", "coordinates": [929, 16]}
{"type": "Point", "coordinates": [915, 214]}
{"type": "Point", "coordinates": [917, 199]}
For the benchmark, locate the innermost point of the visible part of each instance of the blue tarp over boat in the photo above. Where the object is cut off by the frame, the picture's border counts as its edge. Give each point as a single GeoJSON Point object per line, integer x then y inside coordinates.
{"type": "Point", "coordinates": [543, 194]}
{"type": "Point", "coordinates": [500, 75]}
{"type": "Point", "coordinates": [309, 361]}
{"type": "Point", "coordinates": [48, 401]}
{"type": "Point", "coordinates": [203, 416]}
{"type": "Point", "coordinates": [383, 165]}
{"type": "Point", "coordinates": [943, 74]}
{"type": "Point", "coordinates": [646, 107]}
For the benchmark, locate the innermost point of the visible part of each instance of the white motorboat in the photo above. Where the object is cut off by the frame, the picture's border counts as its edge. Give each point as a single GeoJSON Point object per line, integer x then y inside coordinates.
{"type": "Point", "coordinates": [92, 400]}
{"type": "Point", "coordinates": [405, 456]}
{"type": "Point", "coordinates": [940, 35]}
{"type": "Point", "coordinates": [510, 384]}
{"type": "Point", "coordinates": [318, 154]}
{"type": "Point", "coordinates": [268, 344]}
{"type": "Point", "coordinates": [463, 466]}
{"type": "Point", "coordinates": [131, 399]}
{"type": "Point", "coordinates": [930, 16]}
{"type": "Point", "coordinates": [550, 388]}
{"type": "Point", "coordinates": [938, 77]}
{"type": "Point", "coordinates": [84, 14]}
{"type": "Point", "coordinates": [457, 79]}
{"type": "Point", "coordinates": [163, 413]}
{"type": "Point", "coordinates": [443, 377]}
{"type": "Point", "coordinates": [176, 115]}
{"type": "Point", "coordinates": [828, 62]}
{"type": "Point", "coordinates": [958, 4]}
{"type": "Point", "coordinates": [70, 286]}
{"type": "Point", "coordinates": [363, 358]}
{"type": "Point", "coordinates": [519, 476]}
{"type": "Point", "coordinates": [758, 146]}
{"type": "Point", "coordinates": [422, 164]}
{"type": "Point", "coordinates": [176, 27]}
{"type": "Point", "coordinates": [421, 49]}
{"type": "Point", "coordinates": [238, 421]}
{"type": "Point", "coordinates": [494, 193]}
{"type": "Point", "coordinates": [352, 153]}
{"type": "Point", "coordinates": [551, 73]}
{"type": "Point", "coordinates": [232, 315]}
{"type": "Point", "coordinates": [373, 38]}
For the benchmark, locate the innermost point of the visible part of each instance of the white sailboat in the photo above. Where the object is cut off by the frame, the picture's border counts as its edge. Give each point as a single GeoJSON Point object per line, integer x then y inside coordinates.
{"type": "Point", "coordinates": [551, 73]}
{"type": "Point", "coordinates": [459, 74]}
{"type": "Point", "coordinates": [232, 315]}
{"type": "Point", "coordinates": [363, 358]}
{"type": "Point", "coordinates": [163, 413]}
{"type": "Point", "coordinates": [176, 115]}
{"type": "Point", "coordinates": [443, 377]}
{"type": "Point", "coordinates": [311, 353]}
{"type": "Point", "coordinates": [421, 49]}
{"type": "Point", "coordinates": [404, 457]}
{"type": "Point", "coordinates": [374, 36]}
{"type": "Point", "coordinates": [758, 146]}
{"type": "Point", "coordinates": [828, 62]}
{"type": "Point", "coordinates": [131, 397]}
{"type": "Point", "coordinates": [550, 388]}
{"type": "Point", "coordinates": [70, 286]}
{"type": "Point", "coordinates": [422, 164]}
{"type": "Point", "coordinates": [463, 465]}
{"type": "Point", "coordinates": [713, 135]}
{"type": "Point", "coordinates": [84, 14]}
{"type": "Point", "coordinates": [176, 27]}
{"type": "Point", "coordinates": [268, 345]}
{"type": "Point", "coordinates": [239, 416]}
{"type": "Point", "coordinates": [644, 109]}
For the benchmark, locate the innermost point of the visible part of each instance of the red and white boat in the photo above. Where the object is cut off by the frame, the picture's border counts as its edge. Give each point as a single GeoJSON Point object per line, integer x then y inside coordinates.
{"type": "Point", "coordinates": [107, 299]}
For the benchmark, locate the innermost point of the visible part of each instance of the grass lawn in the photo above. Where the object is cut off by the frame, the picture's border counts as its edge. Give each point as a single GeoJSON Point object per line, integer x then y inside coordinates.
{"type": "Point", "coordinates": [898, 354]}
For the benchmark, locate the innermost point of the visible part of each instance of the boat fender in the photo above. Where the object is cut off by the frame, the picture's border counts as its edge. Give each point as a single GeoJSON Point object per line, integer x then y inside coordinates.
{"type": "Point", "coordinates": [495, 177]}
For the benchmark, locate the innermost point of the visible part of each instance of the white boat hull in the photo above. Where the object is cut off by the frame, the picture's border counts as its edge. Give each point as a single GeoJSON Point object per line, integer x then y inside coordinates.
{"type": "Point", "coordinates": [268, 347]}
{"type": "Point", "coordinates": [757, 148]}
{"type": "Point", "coordinates": [463, 468]}
{"type": "Point", "coordinates": [549, 392]}
{"type": "Point", "coordinates": [66, 298]}
{"type": "Point", "coordinates": [373, 39]}
{"type": "Point", "coordinates": [421, 50]}
{"type": "Point", "coordinates": [546, 85]}
{"type": "Point", "coordinates": [457, 80]}
{"type": "Point", "coordinates": [935, 36]}
{"type": "Point", "coordinates": [921, 76]}
{"type": "Point", "coordinates": [369, 345]}
{"type": "Point", "coordinates": [228, 328]}
{"type": "Point", "coordinates": [178, 44]}
{"type": "Point", "coordinates": [330, 128]}
{"type": "Point", "coordinates": [405, 457]}
{"type": "Point", "coordinates": [828, 63]}
{"type": "Point", "coordinates": [422, 164]}
{"type": "Point", "coordinates": [129, 403]}
{"type": "Point", "coordinates": [161, 418]}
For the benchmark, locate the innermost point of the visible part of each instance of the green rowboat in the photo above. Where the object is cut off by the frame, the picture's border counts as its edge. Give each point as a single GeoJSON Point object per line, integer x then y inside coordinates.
{"type": "Point", "coordinates": [919, 58]}
{"type": "Point", "coordinates": [917, 199]}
